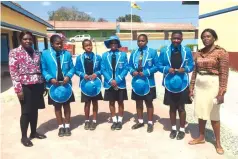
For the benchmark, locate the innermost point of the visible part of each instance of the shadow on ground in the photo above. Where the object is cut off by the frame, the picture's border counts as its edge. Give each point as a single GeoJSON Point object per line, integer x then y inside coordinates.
{"type": "Point", "coordinates": [51, 125]}
{"type": "Point", "coordinates": [79, 120]}
{"type": "Point", "coordinates": [156, 118]}
{"type": "Point", "coordinates": [6, 82]}
{"type": "Point", "coordinates": [167, 126]}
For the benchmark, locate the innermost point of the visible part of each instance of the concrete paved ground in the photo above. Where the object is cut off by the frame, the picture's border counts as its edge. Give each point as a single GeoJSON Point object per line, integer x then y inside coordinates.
{"type": "Point", "coordinates": [104, 143]}
{"type": "Point", "coordinates": [101, 143]}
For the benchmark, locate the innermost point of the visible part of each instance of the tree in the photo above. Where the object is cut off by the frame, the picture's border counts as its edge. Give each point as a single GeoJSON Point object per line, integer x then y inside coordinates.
{"type": "Point", "coordinates": [102, 20]}
{"type": "Point", "coordinates": [69, 14]}
{"type": "Point", "coordinates": [121, 19]}
{"type": "Point", "coordinates": [127, 18]}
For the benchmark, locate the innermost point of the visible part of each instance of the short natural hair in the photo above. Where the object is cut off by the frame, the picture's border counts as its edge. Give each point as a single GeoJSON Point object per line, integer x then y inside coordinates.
{"type": "Point", "coordinates": [53, 38]}
{"type": "Point", "coordinates": [213, 32]}
{"type": "Point", "coordinates": [177, 32]}
{"type": "Point", "coordinates": [146, 37]}
{"type": "Point", "coordinates": [85, 40]}
{"type": "Point", "coordinates": [23, 33]}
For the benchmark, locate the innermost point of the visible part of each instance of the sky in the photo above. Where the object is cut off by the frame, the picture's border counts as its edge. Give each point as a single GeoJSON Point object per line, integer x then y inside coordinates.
{"type": "Point", "coordinates": [152, 11]}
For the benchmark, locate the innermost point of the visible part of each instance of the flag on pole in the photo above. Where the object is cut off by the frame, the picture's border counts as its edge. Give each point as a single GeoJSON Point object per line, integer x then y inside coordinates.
{"type": "Point", "coordinates": [134, 5]}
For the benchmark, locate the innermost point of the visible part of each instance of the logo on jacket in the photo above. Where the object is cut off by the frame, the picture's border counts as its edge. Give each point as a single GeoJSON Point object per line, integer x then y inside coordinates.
{"type": "Point", "coordinates": [149, 62]}
{"type": "Point", "coordinates": [66, 65]}
{"type": "Point", "coordinates": [120, 64]}
{"type": "Point", "coordinates": [97, 64]}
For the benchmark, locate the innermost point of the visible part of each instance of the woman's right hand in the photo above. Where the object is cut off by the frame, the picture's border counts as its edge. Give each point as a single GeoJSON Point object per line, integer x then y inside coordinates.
{"type": "Point", "coordinates": [54, 81]}
{"type": "Point", "coordinates": [20, 96]}
{"type": "Point", "coordinates": [191, 95]}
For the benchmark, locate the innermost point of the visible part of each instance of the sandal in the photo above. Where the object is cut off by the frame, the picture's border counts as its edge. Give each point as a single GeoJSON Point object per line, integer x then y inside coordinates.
{"type": "Point", "coordinates": [220, 151]}
{"type": "Point", "coordinates": [26, 142]}
{"type": "Point", "coordinates": [196, 141]}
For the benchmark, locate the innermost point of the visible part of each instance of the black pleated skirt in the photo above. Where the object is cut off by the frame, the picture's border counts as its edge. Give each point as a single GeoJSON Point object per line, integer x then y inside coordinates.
{"type": "Point", "coordinates": [149, 97]}
{"type": "Point", "coordinates": [85, 98]}
{"type": "Point", "coordinates": [33, 98]}
{"type": "Point", "coordinates": [115, 95]}
{"type": "Point", "coordinates": [52, 102]}
{"type": "Point", "coordinates": [177, 98]}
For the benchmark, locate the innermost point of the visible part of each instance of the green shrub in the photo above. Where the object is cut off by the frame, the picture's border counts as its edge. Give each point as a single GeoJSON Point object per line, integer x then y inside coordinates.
{"type": "Point", "coordinates": [191, 46]}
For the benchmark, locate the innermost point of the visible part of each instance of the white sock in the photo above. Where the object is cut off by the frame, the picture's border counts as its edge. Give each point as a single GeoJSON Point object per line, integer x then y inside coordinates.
{"type": "Point", "coordinates": [114, 119]}
{"type": "Point", "coordinates": [61, 126]}
{"type": "Point", "coordinates": [66, 125]}
{"type": "Point", "coordinates": [94, 121]}
{"type": "Point", "coordinates": [174, 127]}
{"type": "Point", "coordinates": [141, 121]}
{"type": "Point", "coordinates": [182, 129]}
{"type": "Point", "coordinates": [150, 122]}
{"type": "Point", "coordinates": [86, 121]}
{"type": "Point", "coordinates": [120, 119]}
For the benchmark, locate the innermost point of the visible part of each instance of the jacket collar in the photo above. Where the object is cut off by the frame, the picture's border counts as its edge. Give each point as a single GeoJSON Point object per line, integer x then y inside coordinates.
{"type": "Point", "coordinates": [137, 54]}
{"type": "Point", "coordinates": [52, 50]}
{"type": "Point", "coordinates": [90, 55]}
{"type": "Point", "coordinates": [118, 56]}
{"type": "Point", "coordinates": [22, 49]}
{"type": "Point", "coordinates": [116, 52]}
{"type": "Point", "coordinates": [169, 53]}
{"type": "Point", "coordinates": [216, 47]}
{"type": "Point", "coordinates": [144, 48]}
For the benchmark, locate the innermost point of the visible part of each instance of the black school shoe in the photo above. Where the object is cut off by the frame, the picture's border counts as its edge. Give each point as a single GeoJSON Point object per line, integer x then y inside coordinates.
{"type": "Point", "coordinates": [137, 125]}
{"type": "Point", "coordinates": [173, 134]}
{"type": "Point", "coordinates": [87, 125]}
{"type": "Point", "coordinates": [150, 128]}
{"type": "Point", "coordinates": [93, 126]}
{"type": "Point", "coordinates": [114, 125]}
{"type": "Point", "coordinates": [67, 132]}
{"type": "Point", "coordinates": [26, 142]}
{"type": "Point", "coordinates": [61, 132]}
{"type": "Point", "coordinates": [119, 126]}
{"type": "Point", "coordinates": [180, 135]}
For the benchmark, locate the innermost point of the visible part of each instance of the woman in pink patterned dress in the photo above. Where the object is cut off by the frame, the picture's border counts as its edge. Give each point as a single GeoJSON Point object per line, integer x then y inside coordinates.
{"type": "Point", "coordinates": [28, 83]}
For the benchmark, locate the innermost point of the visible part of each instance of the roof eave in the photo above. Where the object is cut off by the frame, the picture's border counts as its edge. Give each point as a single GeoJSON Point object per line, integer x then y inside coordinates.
{"type": "Point", "coordinates": [25, 13]}
{"type": "Point", "coordinates": [17, 28]}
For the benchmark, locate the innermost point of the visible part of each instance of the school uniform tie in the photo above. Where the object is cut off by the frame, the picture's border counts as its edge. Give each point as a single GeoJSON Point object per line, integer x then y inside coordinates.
{"type": "Point", "coordinates": [176, 50]}
{"type": "Point", "coordinates": [113, 64]}
{"type": "Point", "coordinates": [88, 64]}
{"type": "Point", "coordinates": [176, 58]}
{"type": "Point", "coordinates": [60, 76]}
{"type": "Point", "coordinates": [140, 69]}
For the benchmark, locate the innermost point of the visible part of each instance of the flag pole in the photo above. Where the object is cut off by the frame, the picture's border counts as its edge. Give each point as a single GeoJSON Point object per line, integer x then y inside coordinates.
{"type": "Point", "coordinates": [131, 27]}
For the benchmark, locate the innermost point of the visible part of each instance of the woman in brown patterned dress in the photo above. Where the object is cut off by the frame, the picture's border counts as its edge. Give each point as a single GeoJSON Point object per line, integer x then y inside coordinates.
{"type": "Point", "coordinates": [208, 85]}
